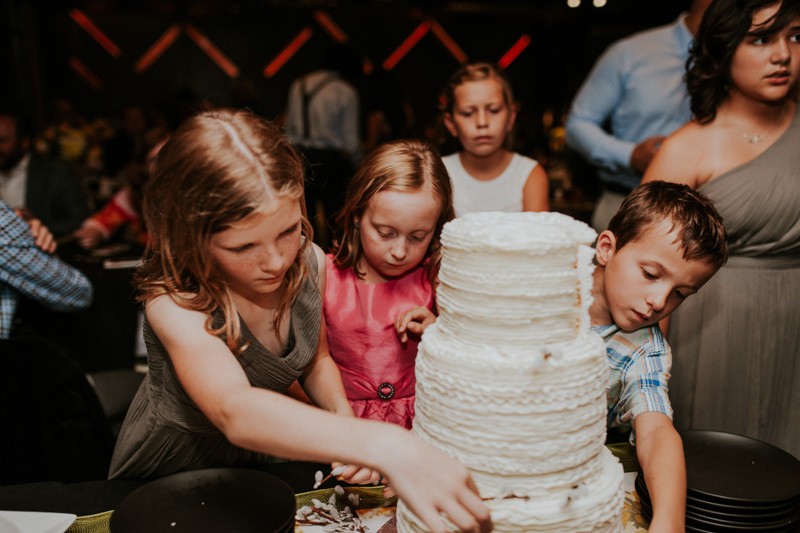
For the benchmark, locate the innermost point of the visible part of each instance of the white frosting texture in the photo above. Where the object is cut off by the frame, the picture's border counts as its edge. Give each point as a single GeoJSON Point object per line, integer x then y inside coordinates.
{"type": "Point", "coordinates": [510, 379]}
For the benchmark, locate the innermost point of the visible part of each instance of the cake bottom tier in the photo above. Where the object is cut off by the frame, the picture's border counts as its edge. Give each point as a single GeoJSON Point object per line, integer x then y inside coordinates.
{"type": "Point", "coordinates": [590, 507]}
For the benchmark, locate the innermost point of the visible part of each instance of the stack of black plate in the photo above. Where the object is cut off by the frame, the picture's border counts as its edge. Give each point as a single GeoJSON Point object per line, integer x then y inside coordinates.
{"type": "Point", "coordinates": [735, 483]}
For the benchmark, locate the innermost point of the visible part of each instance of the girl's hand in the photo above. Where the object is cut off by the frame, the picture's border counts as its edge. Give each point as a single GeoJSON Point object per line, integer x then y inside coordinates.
{"type": "Point", "coordinates": [356, 474]}
{"type": "Point", "coordinates": [432, 483]}
{"type": "Point", "coordinates": [415, 321]}
{"type": "Point", "coordinates": [41, 235]}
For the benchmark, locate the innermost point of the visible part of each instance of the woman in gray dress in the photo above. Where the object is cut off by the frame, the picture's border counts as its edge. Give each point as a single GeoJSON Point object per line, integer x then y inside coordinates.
{"type": "Point", "coordinates": [736, 344]}
{"type": "Point", "coordinates": [231, 286]}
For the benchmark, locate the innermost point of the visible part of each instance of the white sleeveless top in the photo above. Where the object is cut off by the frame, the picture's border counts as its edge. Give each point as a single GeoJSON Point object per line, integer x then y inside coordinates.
{"type": "Point", "coordinates": [503, 193]}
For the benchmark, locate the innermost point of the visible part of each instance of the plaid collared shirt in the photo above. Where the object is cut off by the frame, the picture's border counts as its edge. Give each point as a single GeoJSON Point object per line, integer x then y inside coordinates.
{"type": "Point", "coordinates": [640, 363]}
{"type": "Point", "coordinates": [28, 271]}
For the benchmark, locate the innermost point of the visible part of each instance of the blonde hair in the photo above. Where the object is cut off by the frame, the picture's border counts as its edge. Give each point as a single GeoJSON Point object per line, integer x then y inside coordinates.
{"type": "Point", "coordinates": [475, 72]}
{"type": "Point", "coordinates": [406, 166]}
{"type": "Point", "coordinates": [216, 169]}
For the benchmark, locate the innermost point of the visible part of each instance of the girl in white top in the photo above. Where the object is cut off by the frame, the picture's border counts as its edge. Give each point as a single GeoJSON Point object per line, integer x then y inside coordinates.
{"type": "Point", "coordinates": [479, 110]}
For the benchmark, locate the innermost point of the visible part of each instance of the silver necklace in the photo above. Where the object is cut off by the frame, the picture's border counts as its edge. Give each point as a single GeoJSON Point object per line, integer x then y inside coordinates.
{"type": "Point", "coordinates": [758, 137]}
{"type": "Point", "coordinates": [754, 139]}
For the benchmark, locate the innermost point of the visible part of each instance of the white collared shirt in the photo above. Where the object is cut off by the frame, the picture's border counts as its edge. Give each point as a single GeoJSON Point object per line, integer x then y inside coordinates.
{"type": "Point", "coordinates": [13, 183]}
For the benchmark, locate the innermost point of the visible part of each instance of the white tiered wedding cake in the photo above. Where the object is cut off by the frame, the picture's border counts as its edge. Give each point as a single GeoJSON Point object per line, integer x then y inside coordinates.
{"type": "Point", "coordinates": [510, 379]}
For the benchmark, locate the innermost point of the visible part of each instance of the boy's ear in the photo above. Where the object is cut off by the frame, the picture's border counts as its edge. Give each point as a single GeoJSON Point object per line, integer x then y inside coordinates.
{"type": "Point", "coordinates": [605, 247]}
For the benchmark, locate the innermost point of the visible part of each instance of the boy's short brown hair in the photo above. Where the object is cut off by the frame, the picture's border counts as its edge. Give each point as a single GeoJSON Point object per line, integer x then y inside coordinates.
{"type": "Point", "coordinates": [700, 230]}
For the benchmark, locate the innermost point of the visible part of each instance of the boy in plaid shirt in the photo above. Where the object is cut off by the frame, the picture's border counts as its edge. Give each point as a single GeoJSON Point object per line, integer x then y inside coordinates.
{"type": "Point", "coordinates": [663, 244]}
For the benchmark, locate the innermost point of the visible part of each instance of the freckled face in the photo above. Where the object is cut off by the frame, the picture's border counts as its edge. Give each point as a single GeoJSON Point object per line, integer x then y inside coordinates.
{"type": "Point", "coordinates": [647, 279]}
{"type": "Point", "coordinates": [395, 231]}
{"type": "Point", "coordinates": [481, 118]}
{"type": "Point", "coordinates": [766, 68]}
{"type": "Point", "coordinates": [255, 253]}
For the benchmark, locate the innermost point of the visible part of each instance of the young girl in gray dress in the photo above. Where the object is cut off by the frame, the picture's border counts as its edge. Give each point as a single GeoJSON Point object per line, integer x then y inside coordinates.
{"type": "Point", "coordinates": [231, 286]}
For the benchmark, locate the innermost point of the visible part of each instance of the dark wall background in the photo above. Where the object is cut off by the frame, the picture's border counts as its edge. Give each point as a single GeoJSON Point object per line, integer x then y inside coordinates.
{"type": "Point", "coordinates": [40, 40]}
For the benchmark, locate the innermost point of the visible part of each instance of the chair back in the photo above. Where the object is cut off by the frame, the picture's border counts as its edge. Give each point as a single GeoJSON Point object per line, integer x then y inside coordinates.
{"type": "Point", "coordinates": [52, 426]}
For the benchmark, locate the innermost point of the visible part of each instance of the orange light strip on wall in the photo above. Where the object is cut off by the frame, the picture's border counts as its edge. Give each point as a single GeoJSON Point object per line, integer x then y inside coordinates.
{"type": "Point", "coordinates": [211, 50]}
{"type": "Point", "coordinates": [448, 42]}
{"type": "Point", "coordinates": [513, 52]}
{"type": "Point", "coordinates": [286, 54]}
{"type": "Point", "coordinates": [330, 26]}
{"type": "Point", "coordinates": [86, 73]}
{"type": "Point", "coordinates": [96, 33]}
{"type": "Point", "coordinates": [158, 48]}
{"type": "Point", "coordinates": [407, 45]}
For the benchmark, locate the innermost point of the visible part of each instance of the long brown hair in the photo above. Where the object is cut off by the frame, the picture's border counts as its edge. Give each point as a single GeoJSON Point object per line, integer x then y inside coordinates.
{"type": "Point", "coordinates": [405, 165]}
{"type": "Point", "coordinates": [218, 168]}
{"type": "Point", "coordinates": [725, 25]}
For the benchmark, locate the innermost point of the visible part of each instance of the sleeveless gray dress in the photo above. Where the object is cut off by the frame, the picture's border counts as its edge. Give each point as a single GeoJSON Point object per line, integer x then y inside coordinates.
{"type": "Point", "coordinates": [165, 432]}
{"type": "Point", "coordinates": [736, 343]}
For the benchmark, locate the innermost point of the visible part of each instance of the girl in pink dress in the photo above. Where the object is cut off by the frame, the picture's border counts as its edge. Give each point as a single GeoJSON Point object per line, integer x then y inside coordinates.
{"type": "Point", "coordinates": [380, 276]}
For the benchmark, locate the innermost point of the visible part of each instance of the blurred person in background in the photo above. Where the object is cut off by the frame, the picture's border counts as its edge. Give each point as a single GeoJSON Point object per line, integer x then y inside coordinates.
{"type": "Point", "coordinates": [634, 96]}
{"type": "Point", "coordinates": [322, 120]}
{"type": "Point", "coordinates": [37, 186]}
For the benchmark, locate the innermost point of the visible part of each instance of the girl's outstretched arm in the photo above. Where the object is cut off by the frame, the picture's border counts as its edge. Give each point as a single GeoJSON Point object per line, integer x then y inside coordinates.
{"type": "Point", "coordinates": [271, 423]}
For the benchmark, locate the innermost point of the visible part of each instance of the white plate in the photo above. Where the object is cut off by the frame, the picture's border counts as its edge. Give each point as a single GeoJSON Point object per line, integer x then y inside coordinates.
{"type": "Point", "coordinates": [29, 522]}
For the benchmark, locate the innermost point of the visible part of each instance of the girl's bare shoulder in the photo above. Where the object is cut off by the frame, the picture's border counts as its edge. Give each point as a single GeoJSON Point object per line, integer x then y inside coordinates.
{"type": "Point", "coordinates": [682, 157]}
{"type": "Point", "coordinates": [688, 137]}
{"type": "Point", "coordinates": [166, 307]}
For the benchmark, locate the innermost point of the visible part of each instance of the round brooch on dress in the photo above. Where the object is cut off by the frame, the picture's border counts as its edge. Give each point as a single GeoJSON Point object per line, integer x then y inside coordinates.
{"type": "Point", "coordinates": [385, 391]}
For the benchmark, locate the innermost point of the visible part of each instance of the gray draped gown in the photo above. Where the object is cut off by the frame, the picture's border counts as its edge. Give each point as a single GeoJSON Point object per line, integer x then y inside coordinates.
{"type": "Point", "coordinates": [736, 343]}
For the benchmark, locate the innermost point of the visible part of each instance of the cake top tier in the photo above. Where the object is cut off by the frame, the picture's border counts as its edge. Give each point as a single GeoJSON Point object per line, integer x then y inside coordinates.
{"type": "Point", "coordinates": [524, 232]}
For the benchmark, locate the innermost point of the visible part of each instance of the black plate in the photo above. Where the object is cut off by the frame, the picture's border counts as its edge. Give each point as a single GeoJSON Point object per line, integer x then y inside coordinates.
{"type": "Point", "coordinates": [728, 468]}
{"type": "Point", "coordinates": [757, 519]}
{"type": "Point", "coordinates": [744, 508]}
{"type": "Point", "coordinates": [742, 517]}
{"type": "Point", "coordinates": [789, 524]}
{"type": "Point", "coordinates": [211, 500]}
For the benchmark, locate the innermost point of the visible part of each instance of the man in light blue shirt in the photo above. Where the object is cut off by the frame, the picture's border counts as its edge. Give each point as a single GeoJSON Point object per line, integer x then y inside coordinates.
{"type": "Point", "coordinates": [632, 99]}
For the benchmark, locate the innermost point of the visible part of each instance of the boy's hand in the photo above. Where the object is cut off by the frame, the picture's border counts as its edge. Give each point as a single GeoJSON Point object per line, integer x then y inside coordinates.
{"type": "Point", "coordinates": [414, 321]}
{"type": "Point", "coordinates": [664, 524]}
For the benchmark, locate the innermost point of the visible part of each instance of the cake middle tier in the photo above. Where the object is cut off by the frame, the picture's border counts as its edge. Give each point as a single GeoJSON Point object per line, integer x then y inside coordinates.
{"type": "Point", "coordinates": [526, 420]}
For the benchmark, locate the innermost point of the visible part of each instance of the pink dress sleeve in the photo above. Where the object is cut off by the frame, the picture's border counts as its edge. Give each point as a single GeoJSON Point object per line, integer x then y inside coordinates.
{"type": "Point", "coordinates": [377, 370]}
